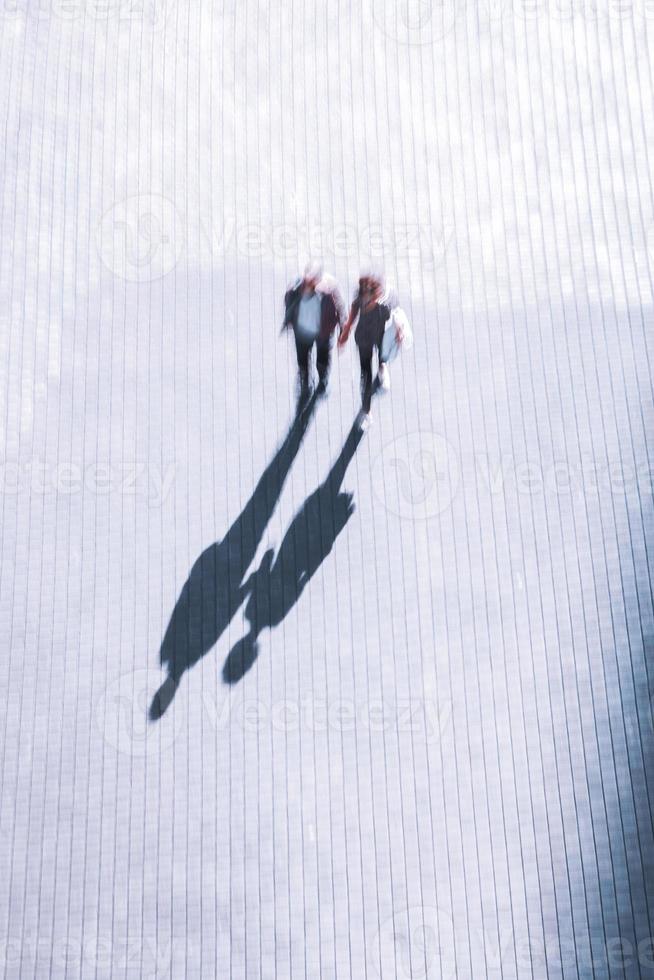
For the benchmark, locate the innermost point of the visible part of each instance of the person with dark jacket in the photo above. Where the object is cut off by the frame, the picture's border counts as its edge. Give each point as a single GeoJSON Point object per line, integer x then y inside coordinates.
{"type": "Point", "coordinates": [371, 310]}
{"type": "Point", "coordinates": [314, 309]}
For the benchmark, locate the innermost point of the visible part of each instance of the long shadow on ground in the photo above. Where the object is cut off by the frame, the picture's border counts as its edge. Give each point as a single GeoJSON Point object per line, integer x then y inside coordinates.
{"type": "Point", "coordinates": [214, 589]}
{"type": "Point", "coordinates": [277, 584]}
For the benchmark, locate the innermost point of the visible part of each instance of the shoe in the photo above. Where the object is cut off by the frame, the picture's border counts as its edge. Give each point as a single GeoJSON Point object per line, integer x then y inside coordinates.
{"type": "Point", "coordinates": [384, 377]}
{"type": "Point", "coordinates": [365, 420]}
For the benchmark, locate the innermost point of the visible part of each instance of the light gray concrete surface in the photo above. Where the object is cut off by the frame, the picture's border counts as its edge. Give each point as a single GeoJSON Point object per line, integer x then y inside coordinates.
{"type": "Point", "coordinates": [438, 764]}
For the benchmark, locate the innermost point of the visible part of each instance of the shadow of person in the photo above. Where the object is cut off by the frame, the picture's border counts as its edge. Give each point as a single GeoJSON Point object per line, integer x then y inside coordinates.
{"type": "Point", "coordinates": [279, 581]}
{"type": "Point", "coordinates": [214, 590]}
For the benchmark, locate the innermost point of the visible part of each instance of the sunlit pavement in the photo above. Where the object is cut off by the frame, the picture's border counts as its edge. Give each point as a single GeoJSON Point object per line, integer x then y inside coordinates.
{"type": "Point", "coordinates": [409, 729]}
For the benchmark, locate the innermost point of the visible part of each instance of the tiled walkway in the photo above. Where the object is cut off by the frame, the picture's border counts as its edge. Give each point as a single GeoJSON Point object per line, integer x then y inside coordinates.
{"type": "Point", "coordinates": [437, 762]}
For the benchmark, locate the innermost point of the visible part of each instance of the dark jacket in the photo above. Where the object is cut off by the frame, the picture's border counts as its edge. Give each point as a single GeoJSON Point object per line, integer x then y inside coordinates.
{"type": "Point", "coordinates": [370, 328]}
{"type": "Point", "coordinates": [332, 310]}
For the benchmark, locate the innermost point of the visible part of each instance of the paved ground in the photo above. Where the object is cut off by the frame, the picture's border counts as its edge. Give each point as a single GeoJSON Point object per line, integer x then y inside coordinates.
{"type": "Point", "coordinates": [437, 762]}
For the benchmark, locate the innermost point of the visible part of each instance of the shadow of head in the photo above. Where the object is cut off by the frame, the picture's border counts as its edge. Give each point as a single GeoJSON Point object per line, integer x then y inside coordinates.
{"type": "Point", "coordinates": [162, 699]}
{"type": "Point", "coordinates": [240, 659]}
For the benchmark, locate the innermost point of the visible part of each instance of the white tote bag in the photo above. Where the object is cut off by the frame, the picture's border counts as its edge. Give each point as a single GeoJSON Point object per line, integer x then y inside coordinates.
{"type": "Point", "coordinates": [391, 347]}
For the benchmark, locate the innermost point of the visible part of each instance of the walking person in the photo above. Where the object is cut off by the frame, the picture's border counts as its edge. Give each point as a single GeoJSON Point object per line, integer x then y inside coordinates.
{"type": "Point", "coordinates": [314, 309]}
{"type": "Point", "coordinates": [372, 308]}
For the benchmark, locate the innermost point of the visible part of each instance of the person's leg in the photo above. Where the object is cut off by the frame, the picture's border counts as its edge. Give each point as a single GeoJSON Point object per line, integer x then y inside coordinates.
{"type": "Point", "coordinates": [365, 359]}
{"type": "Point", "coordinates": [384, 375]}
{"type": "Point", "coordinates": [302, 350]}
{"type": "Point", "coordinates": [323, 359]}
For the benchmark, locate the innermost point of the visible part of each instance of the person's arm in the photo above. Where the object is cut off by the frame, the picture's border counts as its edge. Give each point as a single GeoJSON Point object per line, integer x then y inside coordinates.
{"type": "Point", "coordinates": [290, 298]}
{"type": "Point", "coordinates": [349, 323]}
{"type": "Point", "coordinates": [339, 307]}
{"type": "Point", "coordinates": [401, 324]}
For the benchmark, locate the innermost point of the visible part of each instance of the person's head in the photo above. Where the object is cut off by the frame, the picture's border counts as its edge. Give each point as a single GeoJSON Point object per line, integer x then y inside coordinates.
{"type": "Point", "coordinates": [311, 278]}
{"type": "Point", "coordinates": [371, 287]}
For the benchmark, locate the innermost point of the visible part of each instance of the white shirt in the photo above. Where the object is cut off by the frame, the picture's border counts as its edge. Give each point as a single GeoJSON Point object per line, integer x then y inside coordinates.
{"type": "Point", "coordinates": [308, 316]}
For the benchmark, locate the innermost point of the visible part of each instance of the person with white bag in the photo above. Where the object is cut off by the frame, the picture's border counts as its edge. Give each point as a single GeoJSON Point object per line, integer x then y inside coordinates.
{"type": "Point", "coordinates": [397, 336]}
{"type": "Point", "coordinates": [382, 325]}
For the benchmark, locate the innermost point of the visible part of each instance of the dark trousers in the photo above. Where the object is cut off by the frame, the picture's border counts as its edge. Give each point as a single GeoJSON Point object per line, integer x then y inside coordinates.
{"type": "Point", "coordinates": [323, 357]}
{"type": "Point", "coordinates": [365, 359]}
